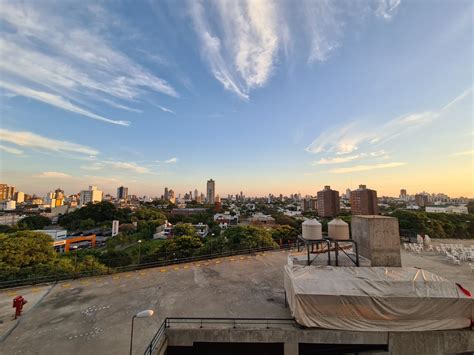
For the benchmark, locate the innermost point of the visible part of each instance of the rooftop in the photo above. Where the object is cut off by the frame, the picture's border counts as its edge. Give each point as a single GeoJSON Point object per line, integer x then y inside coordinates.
{"type": "Point", "coordinates": [93, 315]}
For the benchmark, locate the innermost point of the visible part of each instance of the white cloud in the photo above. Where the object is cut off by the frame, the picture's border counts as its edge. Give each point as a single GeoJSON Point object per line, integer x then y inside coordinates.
{"type": "Point", "coordinates": [71, 56]}
{"type": "Point", "coordinates": [338, 159]}
{"type": "Point", "coordinates": [57, 101]}
{"type": "Point", "coordinates": [53, 175]}
{"type": "Point", "coordinates": [351, 136]}
{"type": "Point", "coordinates": [387, 8]}
{"type": "Point", "coordinates": [118, 165]}
{"type": "Point", "coordinates": [171, 161]}
{"type": "Point", "coordinates": [36, 141]}
{"type": "Point", "coordinates": [10, 150]}
{"type": "Point", "coordinates": [457, 99]}
{"type": "Point", "coordinates": [162, 108]}
{"type": "Point", "coordinates": [464, 153]}
{"type": "Point", "coordinates": [242, 54]}
{"type": "Point", "coordinates": [357, 168]}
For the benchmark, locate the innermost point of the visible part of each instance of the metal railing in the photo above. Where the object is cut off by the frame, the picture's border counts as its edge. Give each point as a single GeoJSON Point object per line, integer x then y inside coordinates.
{"type": "Point", "coordinates": [112, 270]}
{"type": "Point", "coordinates": [232, 323]}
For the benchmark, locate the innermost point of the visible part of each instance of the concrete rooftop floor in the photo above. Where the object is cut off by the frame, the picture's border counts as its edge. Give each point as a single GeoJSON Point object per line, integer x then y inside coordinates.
{"type": "Point", "coordinates": [93, 316]}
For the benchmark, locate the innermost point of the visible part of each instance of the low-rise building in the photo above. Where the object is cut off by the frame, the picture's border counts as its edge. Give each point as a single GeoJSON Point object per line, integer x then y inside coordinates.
{"type": "Point", "coordinates": [447, 209]}
{"type": "Point", "coordinates": [8, 205]}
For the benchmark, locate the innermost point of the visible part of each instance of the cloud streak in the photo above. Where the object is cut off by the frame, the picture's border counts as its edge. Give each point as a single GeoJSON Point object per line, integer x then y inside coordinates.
{"type": "Point", "coordinates": [53, 175]}
{"type": "Point", "coordinates": [36, 141]}
{"type": "Point", "coordinates": [70, 58]}
{"type": "Point", "coordinates": [358, 168]}
{"type": "Point", "coordinates": [57, 101]}
{"type": "Point", "coordinates": [10, 150]}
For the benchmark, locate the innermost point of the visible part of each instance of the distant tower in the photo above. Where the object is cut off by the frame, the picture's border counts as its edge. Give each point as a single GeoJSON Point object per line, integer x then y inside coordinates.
{"type": "Point", "coordinates": [166, 195]}
{"type": "Point", "coordinates": [364, 201]}
{"type": "Point", "coordinates": [328, 202]}
{"type": "Point", "coordinates": [195, 194]}
{"type": "Point", "coordinates": [122, 193]}
{"type": "Point", "coordinates": [403, 194]}
{"type": "Point", "coordinates": [211, 191]}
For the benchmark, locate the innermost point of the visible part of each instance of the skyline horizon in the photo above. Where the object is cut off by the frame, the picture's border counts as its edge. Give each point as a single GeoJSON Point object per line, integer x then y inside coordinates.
{"type": "Point", "coordinates": [263, 95]}
{"type": "Point", "coordinates": [112, 191]}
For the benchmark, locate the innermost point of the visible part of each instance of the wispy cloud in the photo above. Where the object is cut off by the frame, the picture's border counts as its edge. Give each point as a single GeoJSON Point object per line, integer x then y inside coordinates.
{"type": "Point", "coordinates": [464, 153]}
{"type": "Point", "coordinates": [70, 58]}
{"type": "Point", "coordinates": [10, 150]}
{"type": "Point", "coordinates": [357, 168]}
{"type": "Point", "coordinates": [168, 161]}
{"type": "Point", "coordinates": [387, 8]}
{"type": "Point", "coordinates": [36, 141]}
{"type": "Point", "coordinates": [117, 165]}
{"type": "Point", "coordinates": [53, 175]}
{"type": "Point", "coordinates": [162, 108]}
{"type": "Point", "coordinates": [242, 54]}
{"type": "Point", "coordinates": [339, 159]}
{"type": "Point", "coordinates": [57, 101]}
{"type": "Point", "coordinates": [349, 137]}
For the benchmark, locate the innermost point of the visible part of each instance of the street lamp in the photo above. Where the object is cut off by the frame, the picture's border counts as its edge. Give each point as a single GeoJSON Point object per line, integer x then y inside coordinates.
{"type": "Point", "coordinates": [142, 314]}
{"type": "Point", "coordinates": [139, 250]}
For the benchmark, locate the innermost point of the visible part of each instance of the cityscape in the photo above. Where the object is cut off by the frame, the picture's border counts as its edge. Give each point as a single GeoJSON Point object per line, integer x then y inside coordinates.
{"type": "Point", "coordinates": [241, 177]}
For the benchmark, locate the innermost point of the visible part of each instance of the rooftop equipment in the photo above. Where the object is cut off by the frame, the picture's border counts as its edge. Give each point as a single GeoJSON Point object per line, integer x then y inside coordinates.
{"type": "Point", "coordinates": [312, 230]}
{"type": "Point", "coordinates": [338, 229]}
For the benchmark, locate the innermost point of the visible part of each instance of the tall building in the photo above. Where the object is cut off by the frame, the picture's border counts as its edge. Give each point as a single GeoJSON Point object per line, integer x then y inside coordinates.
{"type": "Point", "coordinates": [421, 200]}
{"type": "Point", "coordinates": [328, 202]}
{"type": "Point", "coordinates": [92, 195]}
{"type": "Point", "coordinates": [19, 197]}
{"type": "Point", "coordinates": [309, 204]}
{"type": "Point", "coordinates": [403, 194]}
{"type": "Point", "coordinates": [211, 191]}
{"type": "Point", "coordinates": [166, 195]}
{"type": "Point", "coordinates": [7, 192]}
{"type": "Point", "coordinates": [364, 201]}
{"type": "Point", "coordinates": [122, 193]}
{"type": "Point", "coordinates": [195, 194]}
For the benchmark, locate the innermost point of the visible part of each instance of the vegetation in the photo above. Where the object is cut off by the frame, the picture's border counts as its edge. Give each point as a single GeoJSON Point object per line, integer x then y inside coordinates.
{"type": "Point", "coordinates": [34, 222]}
{"type": "Point", "coordinates": [436, 225]}
{"type": "Point", "coordinates": [27, 254]}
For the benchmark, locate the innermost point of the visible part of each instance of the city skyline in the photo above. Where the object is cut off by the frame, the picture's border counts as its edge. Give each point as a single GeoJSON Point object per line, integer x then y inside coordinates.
{"type": "Point", "coordinates": [332, 94]}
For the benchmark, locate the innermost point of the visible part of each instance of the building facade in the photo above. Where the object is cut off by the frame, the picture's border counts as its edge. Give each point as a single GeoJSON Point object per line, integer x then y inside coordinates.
{"type": "Point", "coordinates": [328, 202]}
{"type": "Point", "coordinates": [210, 191]}
{"type": "Point", "coordinates": [364, 201]}
{"type": "Point", "coordinates": [92, 195]}
{"type": "Point", "coordinates": [122, 193]}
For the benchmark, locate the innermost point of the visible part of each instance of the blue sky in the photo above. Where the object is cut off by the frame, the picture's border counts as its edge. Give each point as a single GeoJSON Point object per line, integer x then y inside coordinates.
{"type": "Point", "coordinates": [262, 96]}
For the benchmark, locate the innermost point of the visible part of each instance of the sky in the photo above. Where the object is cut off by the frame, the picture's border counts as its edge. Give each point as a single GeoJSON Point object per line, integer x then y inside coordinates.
{"type": "Point", "coordinates": [262, 96]}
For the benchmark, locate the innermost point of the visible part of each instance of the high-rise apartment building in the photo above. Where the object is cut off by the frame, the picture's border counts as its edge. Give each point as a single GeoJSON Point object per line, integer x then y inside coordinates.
{"type": "Point", "coordinates": [19, 197]}
{"type": "Point", "coordinates": [92, 195]}
{"type": "Point", "coordinates": [166, 195]}
{"type": "Point", "coordinates": [309, 204]}
{"type": "Point", "coordinates": [364, 201]}
{"type": "Point", "coordinates": [7, 192]}
{"type": "Point", "coordinates": [122, 193]}
{"type": "Point", "coordinates": [328, 202]}
{"type": "Point", "coordinates": [211, 191]}
{"type": "Point", "coordinates": [403, 194]}
{"type": "Point", "coordinates": [421, 200]}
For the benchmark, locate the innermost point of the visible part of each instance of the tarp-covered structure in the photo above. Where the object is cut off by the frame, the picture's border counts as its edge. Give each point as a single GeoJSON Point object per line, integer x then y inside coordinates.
{"type": "Point", "coordinates": [375, 299]}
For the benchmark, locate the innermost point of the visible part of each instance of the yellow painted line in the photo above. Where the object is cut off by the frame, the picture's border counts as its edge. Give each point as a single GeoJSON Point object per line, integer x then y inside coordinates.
{"type": "Point", "coordinates": [10, 293]}
{"type": "Point", "coordinates": [185, 267]}
{"type": "Point", "coordinates": [218, 262]}
{"type": "Point", "coordinates": [249, 257]}
{"type": "Point", "coordinates": [162, 270]}
{"type": "Point", "coordinates": [128, 275]}
{"type": "Point", "coordinates": [241, 258]}
{"type": "Point", "coordinates": [206, 264]}
{"type": "Point", "coordinates": [198, 264]}
{"type": "Point", "coordinates": [66, 285]}
{"type": "Point", "coordinates": [232, 259]}
{"type": "Point", "coordinates": [115, 277]}
{"type": "Point", "coordinates": [35, 289]}
{"type": "Point", "coordinates": [84, 282]}
{"type": "Point", "coordinates": [176, 268]}
{"type": "Point", "coordinates": [143, 273]}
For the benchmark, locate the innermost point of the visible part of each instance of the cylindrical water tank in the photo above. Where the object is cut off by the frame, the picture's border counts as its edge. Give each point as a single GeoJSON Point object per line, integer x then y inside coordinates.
{"type": "Point", "coordinates": [338, 229]}
{"type": "Point", "coordinates": [312, 230]}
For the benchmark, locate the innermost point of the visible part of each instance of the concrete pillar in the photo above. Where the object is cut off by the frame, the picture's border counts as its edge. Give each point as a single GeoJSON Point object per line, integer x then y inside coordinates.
{"type": "Point", "coordinates": [290, 349]}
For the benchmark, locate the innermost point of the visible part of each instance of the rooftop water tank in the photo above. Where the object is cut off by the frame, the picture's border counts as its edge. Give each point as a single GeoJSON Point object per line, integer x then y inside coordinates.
{"type": "Point", "coordinates": [338, 229]}
{"type": "Point", "coordinates": [312, 230]}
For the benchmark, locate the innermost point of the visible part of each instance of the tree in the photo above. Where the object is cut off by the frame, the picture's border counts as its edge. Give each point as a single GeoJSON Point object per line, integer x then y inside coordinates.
{"type": "Point", "coordinates": [248, 237]}
{"type": "Point", "coordinates": [181, 229]}
{"type": "Point", "coordinates": [34, 222]}
{"type": "Point", "coordinates": [284, 234]}
{"type": "Point", "coordinates": [182, 246]}
{"type": "Point", "coordinates": [25, 248]}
